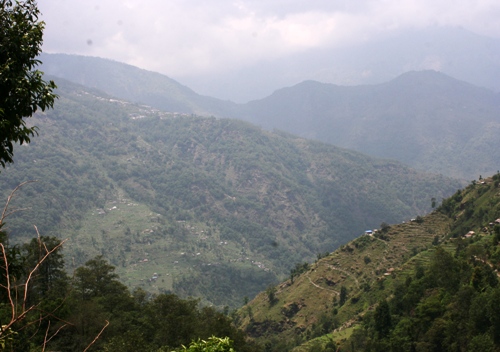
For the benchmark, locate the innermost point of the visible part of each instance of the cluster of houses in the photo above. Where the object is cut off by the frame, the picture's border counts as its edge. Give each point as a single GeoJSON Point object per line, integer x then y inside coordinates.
{"type": "Point", "coordinates": [491, 224]}
{"type": "Point", "coordinates": [496, 222]}
{"type": "Point", "coordinates": [467, 235]}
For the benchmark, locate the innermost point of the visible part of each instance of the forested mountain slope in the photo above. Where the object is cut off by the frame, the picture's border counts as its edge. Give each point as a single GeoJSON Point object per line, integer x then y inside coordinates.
{"type": "Point", "coordinates": [206, 207]}
{"type": "Point", "coordinates": [427, 284]}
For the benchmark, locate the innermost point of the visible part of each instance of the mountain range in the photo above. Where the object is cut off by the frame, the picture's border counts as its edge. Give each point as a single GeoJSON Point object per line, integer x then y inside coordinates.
{"type": "Point", "coordinates": [381, 57]}
{"type": "Point", "coordinates": [181, 195]}
{"type": "Point", "coordinates": [200, 206]}
{"type": "Point", "coordinates": [424, 119]}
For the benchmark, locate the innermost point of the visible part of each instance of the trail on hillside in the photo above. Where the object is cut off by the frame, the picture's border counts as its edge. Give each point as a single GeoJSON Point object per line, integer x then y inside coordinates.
{"type": "Point", "coordinates": [344, 272]}
{"type": "Point", "coordinates": [322, 288]}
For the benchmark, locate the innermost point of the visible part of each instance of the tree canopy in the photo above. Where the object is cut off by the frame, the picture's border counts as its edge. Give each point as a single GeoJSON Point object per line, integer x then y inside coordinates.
{"type": "Point", "coordinates": [22, 88]}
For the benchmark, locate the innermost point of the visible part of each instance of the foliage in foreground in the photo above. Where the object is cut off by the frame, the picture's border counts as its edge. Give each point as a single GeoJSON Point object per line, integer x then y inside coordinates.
{"type": "Point", "coordinates": [212, 344]}
{"type": "Point", "coordinates": [94, 311]}
{"type": "Point", "coordinates": [22, 88]}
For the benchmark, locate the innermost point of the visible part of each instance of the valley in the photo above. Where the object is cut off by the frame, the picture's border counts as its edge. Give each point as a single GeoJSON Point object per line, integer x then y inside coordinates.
{"type": "Point", "coordinates": [149, 190]}
{"type": "Point", "coordinates": [140, 215]}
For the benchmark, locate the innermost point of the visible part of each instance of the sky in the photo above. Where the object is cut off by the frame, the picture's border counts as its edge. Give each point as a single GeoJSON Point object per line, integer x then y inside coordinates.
{"type": "Point", "coordinates": [184, 39]}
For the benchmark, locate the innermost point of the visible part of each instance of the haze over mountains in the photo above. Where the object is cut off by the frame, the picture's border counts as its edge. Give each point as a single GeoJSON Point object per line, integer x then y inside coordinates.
{"type": "Point", "coordinates": [425, 119]}
{"type": "Point", "coordinates": [203, 200]}
{"type": "Point", "coordinates": [334, 212]}
{"type": "Point", "coordinates": [454, 51]}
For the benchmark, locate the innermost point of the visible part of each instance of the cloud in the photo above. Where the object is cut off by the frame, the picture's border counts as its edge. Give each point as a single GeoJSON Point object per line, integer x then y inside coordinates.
{"type": "Point", "coordinates": [194, 37]}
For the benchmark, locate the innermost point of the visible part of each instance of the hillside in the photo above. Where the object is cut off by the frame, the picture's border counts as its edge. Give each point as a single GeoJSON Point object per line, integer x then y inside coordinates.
{"type": "Point", "coordinates": [427, 271]}
{"type": "Point", "coordinates": [424, 119]}
{"type": "Point", "coordinates": [204, 207]}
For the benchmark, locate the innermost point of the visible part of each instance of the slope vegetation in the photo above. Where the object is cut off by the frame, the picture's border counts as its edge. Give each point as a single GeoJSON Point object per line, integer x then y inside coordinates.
{"type": "Point", "coordinates": [411, 286]}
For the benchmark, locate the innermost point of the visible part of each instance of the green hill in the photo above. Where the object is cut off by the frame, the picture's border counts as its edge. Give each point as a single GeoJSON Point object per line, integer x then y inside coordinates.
{"type": "Point", "coordinates": [204, 207]}
{"type": "Point", "coordinates": [439, 279]}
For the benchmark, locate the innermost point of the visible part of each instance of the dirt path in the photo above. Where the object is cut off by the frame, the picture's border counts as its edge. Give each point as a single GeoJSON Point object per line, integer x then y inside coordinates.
{"type": "Point", "coordinates": [486, 262]}
{"type": "Point", "coordinates": [322, 288]}
{"type": "Point", "coordinates": [353, 320]}
{"type": "Point", "coordinates": [344, 272]}
{"type": "Point", "coordinates": [329, 289]}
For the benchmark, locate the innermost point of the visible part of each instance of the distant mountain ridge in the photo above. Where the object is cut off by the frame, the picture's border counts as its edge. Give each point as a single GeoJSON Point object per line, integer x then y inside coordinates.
{"type": "Point", "coordinates": [425, 119]}
{"type": "Point", "coordinates": [380, 58]}
{"type": "Point", "coordinates": [131, 83]}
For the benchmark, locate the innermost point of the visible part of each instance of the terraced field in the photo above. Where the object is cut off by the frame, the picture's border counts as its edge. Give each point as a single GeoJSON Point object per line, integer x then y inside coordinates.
{"type": "Point", "coordinates": [366, 267]}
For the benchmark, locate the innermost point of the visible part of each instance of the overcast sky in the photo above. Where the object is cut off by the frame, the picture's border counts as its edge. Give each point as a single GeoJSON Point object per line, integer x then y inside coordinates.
{"type": "Point", "coordinates": [185, 38]}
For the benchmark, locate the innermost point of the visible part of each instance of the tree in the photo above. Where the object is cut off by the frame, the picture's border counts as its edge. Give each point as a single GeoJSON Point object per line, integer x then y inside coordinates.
{"type": "Point", "coordinates": [343, 295]}
{"type": "Point", "coordinates": [443, 271]}
{"type": "Point", "coordinates": [271, 294]}
{"type": "Point", "coordinates": [382, 319]}
{"type": "Point", "coordinates": [27, 274]}
{"type": "Point", "coordinates": [481, 343]}
{"type": "Point", "coordinates": [50, 279]}
{"type": "Point", "coordinates": [22, 88]}
{"type": "Point", "coordinates": [175, 320]}
{"type": "Point", "coordinates": [19, 310]}
{"type": "Point", "coordinates": [98, 279]}
{"type": "Point", "coordinates": [384, 227]}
